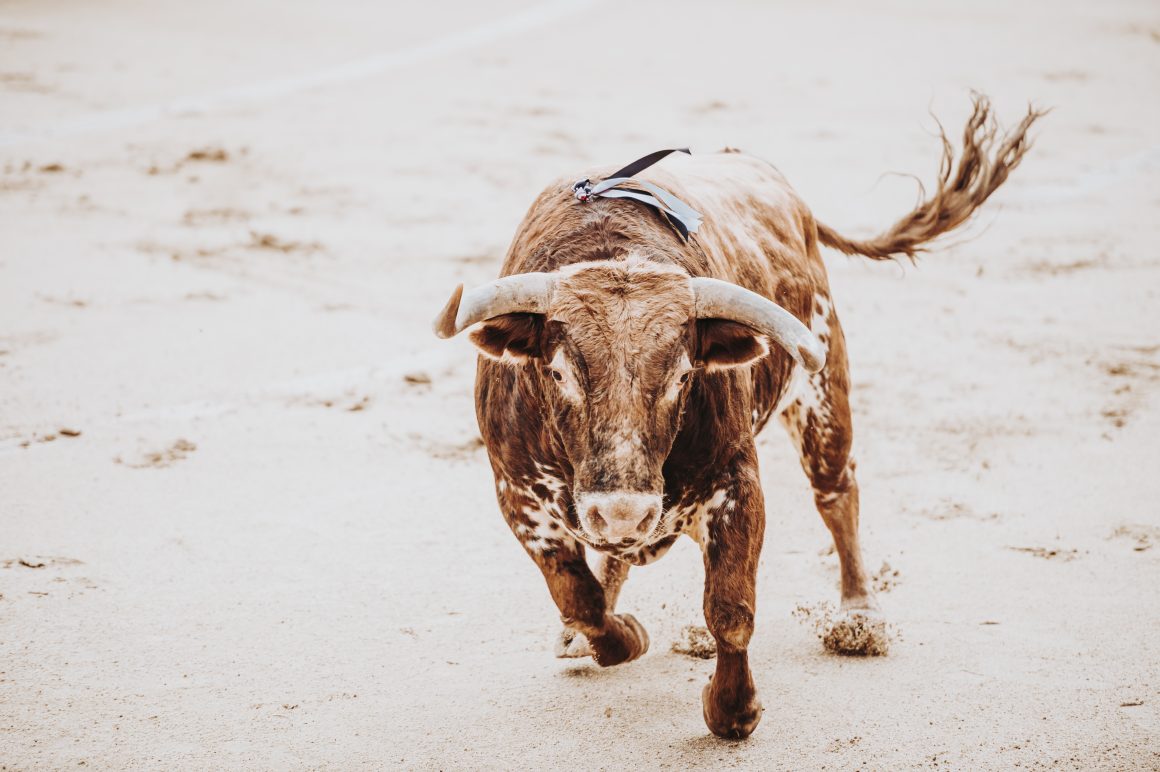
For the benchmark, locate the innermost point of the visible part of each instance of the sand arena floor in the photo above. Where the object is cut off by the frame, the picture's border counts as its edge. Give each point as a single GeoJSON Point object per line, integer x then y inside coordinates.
{"type": "Point", "coordinates": [245, 518]}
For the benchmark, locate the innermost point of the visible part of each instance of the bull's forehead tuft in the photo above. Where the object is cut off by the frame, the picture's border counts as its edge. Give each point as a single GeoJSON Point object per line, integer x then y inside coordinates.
{"type": "Point", "coordinates": [637, 292]}
{"type": "Point", "coordinates": [630, 265]}
{"type": "Point", "coordinates": [627, 308]}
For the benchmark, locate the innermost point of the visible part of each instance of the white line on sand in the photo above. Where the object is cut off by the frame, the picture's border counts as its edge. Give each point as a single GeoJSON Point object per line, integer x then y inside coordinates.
{"type": "Point", "coordinates": [378, 64]}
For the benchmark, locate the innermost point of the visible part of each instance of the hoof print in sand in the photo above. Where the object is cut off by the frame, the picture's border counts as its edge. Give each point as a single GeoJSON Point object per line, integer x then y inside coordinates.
{"type": "Point", "coordinates": [417, 378]}
{"type": "Point", "coordinates": [39, 561]}
{"type": "Point", "coordinates": [160, 459]}
{"type": "Point", "coordinates": [1048, 553]}
{"type": "Point", "coordinates": [1142, 537]}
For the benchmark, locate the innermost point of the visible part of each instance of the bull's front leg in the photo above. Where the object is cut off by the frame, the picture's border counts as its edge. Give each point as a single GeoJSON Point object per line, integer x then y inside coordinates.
{"type": "Point", "coordinates": [611, 573]}
{"type": "Point", "coordinates": [611, 639]}
{"type": "Point", "coordinates": [730, 538]}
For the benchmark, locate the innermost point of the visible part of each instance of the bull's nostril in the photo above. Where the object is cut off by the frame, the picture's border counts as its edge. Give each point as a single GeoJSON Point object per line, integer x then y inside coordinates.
{"type": "Point", "coordinates": [595, 520]}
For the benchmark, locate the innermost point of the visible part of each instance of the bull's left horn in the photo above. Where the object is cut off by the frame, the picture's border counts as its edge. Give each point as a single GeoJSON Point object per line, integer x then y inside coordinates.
{"type": "Point", "coordinates": [716, 299]}
{"type": "Point", "coordinates": [527, 293]}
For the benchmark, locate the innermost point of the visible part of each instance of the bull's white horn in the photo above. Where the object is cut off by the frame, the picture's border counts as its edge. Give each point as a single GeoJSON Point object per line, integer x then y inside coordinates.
{"type": "Point", "coordinates": [716, 299]}
{"type": "Point", "coordinates": [527, 293]}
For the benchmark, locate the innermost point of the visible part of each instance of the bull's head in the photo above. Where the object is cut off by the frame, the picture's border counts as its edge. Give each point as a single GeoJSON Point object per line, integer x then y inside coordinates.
{"type": "Point", "coordinates": [613, 346]}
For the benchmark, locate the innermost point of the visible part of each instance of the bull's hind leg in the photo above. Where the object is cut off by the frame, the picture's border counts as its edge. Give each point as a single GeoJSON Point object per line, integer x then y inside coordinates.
{"type": "Point", "coordinates": [611, 573]}
{"type": "Point", "coordinates": [818, 422]}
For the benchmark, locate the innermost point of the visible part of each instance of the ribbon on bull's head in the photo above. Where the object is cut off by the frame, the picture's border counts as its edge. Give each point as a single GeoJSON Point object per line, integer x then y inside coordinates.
{"type": "Point", "coordinates": [683, 217]}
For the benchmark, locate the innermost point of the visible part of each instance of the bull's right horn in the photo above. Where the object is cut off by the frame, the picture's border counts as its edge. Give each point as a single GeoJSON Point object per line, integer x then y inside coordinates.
{"type": "Point", "coordinates": [527, 293]}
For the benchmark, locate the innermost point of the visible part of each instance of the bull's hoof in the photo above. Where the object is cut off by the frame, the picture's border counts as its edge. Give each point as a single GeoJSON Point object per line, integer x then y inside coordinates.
{"type": "Point", "coordinates": [730, 722]}
{"type": "Point", "coordinates": [858, 633]}
{"type": "Point", "coordinates": [571, 644]}
{"type": "Point", "coordinates": [623, 641]}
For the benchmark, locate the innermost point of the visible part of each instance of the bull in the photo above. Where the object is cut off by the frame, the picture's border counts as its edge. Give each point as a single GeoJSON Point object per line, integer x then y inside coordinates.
{"type": "Point", "coordinates": [626, 367]}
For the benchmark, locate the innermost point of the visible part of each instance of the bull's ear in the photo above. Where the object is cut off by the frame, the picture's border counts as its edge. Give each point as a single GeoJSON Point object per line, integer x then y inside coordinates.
{"type": "Point", "coordinates": [723, 344]}
{"type": "Point", "coordinates": [510, 338]}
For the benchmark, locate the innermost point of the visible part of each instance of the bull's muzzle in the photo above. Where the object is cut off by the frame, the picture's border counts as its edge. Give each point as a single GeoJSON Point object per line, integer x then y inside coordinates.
{"type": "Point", "coordinates": [618, 516]}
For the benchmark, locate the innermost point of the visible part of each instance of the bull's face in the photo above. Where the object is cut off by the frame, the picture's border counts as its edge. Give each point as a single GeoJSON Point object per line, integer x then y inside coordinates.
{"type": "Point", "coordinates": [615, 364]}
{"type": "Point", "coordinates": [614, 348]}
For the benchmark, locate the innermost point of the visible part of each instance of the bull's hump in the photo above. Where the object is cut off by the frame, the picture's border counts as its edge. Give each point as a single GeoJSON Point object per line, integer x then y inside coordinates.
{"type": "Point", "coordinates": [720, 177]}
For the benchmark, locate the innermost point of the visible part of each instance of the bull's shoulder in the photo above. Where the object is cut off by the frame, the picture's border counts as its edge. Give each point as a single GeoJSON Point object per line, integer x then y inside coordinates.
{"type": "Point", "coordinates": [508, 409]}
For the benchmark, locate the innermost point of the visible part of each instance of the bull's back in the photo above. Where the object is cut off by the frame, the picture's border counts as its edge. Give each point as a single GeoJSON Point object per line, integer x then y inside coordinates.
{"type": "Point", "coordinates": [756, 231]}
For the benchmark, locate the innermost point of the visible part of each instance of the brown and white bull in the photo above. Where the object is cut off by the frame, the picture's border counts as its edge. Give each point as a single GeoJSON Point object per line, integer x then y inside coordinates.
{"type": "Point", "coordinates": [625, 372]}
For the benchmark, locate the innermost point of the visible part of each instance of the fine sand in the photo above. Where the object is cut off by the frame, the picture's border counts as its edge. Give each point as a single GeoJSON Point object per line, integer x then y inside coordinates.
{"type": "Point", "coordinates": [246, 521]}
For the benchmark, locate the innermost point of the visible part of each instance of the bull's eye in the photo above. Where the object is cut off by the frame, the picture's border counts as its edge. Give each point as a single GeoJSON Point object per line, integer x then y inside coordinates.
{"type": "Point", "coordinates": [685, 377]}
{"type": "Point", "coordinates": [557, 375]}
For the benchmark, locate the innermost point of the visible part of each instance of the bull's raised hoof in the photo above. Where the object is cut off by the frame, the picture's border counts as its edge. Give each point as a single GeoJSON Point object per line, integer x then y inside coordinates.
{"type": "Point", "coordinates": [858, 632]}
{"type": "Point", "coordinates": [623, 641]}
{"type": "Point", "coordinates": [572, 644]}
{"type": "Point", "coordinates": [731, 714]}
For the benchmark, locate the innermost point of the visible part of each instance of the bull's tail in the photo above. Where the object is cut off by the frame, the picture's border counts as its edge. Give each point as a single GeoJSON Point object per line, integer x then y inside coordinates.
{"type": "Point", "coordinates": [962, 187]}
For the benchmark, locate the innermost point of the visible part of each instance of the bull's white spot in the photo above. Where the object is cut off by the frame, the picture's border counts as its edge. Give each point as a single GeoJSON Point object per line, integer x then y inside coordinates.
{"type": "Point", "coordinates": [806, 393]}
{"type": "Point", "coordinates": [541, 525]}
{"type": "Point", "coordinates": [548, 471]}
{"type": "Point", "coordinates": [820, 320]}
{"type": "Point", "coordinates": [549, 480]}
{"type": "Point", "coordinates": [538, 534]}
{"type": "Point", "coordinates": [698, 515]}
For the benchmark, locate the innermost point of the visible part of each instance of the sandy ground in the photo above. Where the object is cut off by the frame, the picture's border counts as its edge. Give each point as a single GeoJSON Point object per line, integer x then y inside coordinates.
{"type": "Point", "coordinates": [225, 227]}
